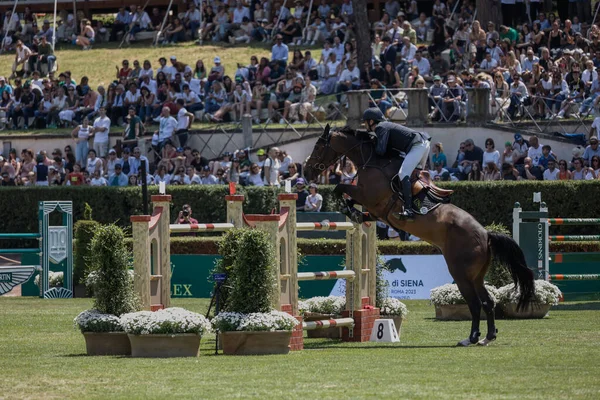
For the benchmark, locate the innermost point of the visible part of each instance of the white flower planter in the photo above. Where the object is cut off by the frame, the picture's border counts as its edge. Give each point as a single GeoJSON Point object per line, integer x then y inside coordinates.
{"type": "Point", "coordinates": [107, 344]}
{"type": "Point", "coordinates": [533, 311]}
{"type": "Point", "coordinates": [164, 346]}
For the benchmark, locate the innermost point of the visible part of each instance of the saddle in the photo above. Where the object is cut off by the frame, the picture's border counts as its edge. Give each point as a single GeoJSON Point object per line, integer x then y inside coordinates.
{"type": "Point", "coordinates": [422, 180]}
{"type": "Point", "coordinates": [426, 195]}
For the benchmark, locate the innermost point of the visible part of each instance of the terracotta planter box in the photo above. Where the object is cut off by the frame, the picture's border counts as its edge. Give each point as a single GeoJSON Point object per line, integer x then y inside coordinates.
{"type": "Point", "coordinates": [244, 343]}
{"type": "Point", "coordinates": [164, 346]}
{"type": "Point", "coordinates": [397, 321]}
{"type": "Point", "coordinates": [107, 344]}
{"type": "Point", "coordinates": [453, 312]}
{"type": "Point", "coordinates": [533, 311]}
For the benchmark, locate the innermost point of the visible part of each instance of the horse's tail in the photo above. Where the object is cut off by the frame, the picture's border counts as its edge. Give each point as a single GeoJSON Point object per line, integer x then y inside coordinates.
{"type": "Point", "coordinates": [507, 252]}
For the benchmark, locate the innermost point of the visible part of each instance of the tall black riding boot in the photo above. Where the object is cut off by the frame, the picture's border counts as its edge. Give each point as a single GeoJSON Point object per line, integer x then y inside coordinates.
{"type": "Point", "coordinates": [407, 214]}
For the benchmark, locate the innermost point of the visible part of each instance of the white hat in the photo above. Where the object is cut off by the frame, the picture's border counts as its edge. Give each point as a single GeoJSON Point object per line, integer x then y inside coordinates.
{"type": "Point", "coordinates": [173, 58]}
{"type": "Point", "coordinates": [217, 60]}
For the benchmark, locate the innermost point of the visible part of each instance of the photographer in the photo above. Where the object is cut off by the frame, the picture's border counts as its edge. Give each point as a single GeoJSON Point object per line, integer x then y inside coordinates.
{"type": "Point", "coordinates": [185, 215]}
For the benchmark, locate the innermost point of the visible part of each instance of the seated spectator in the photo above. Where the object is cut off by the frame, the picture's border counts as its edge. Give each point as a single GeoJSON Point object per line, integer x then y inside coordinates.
{"type": "Point", "coordinates": [590, 151]}
{"type": "Point", "coordinates": [87, 35]}
{"type": "Point", "coordinates": [254, 177]}
{"type": "Point", "coordinates": [454, 102]}
{"type": "Point", "coordinates": [475, 174]}
{"type": "Point", "coordinates": [520, 146]}
{"type": "Point", "coordinates": [491, 172]}
{"type": "Point", "coordinates": [299, 112]}
{"type": "Point", "coordinates": [438, 155]}
{"type": "Point", "coordinates": [551, 173]}
{"type": "Point", "coordinates": [207, 178]}
{"type": "Point", "coordinates": [280, 51]}
{"type": "Point", "coordinates": [531, 172]}
{"type": "Point", "coordinates": [509, 155]}
{"type": "Point", "coordinates": [174, 32]}
{"type": "Point", "coordinates": [491, 154]}
{"type": "Point", "coordinates": [509, 173]}
{"type": "Point", "coordinates": [314, 200]}
{"type": "Point", "coordinates": [121, 23]}
{"type": "Point", "coordinates": [580, 172]}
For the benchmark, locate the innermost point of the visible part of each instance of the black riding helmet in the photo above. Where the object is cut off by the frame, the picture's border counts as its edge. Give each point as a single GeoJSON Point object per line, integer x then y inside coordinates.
{"type": "Point", "coordinates": [374, 114]}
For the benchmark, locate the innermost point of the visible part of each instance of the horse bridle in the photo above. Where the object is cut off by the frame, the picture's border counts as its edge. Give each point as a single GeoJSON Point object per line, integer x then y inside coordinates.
{"type": "Point", "coordinates": [320, 166]}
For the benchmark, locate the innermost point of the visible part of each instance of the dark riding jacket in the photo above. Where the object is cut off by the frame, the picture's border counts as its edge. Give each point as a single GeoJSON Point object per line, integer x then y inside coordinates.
{"type": "Point", "coordinates": [396, 137]}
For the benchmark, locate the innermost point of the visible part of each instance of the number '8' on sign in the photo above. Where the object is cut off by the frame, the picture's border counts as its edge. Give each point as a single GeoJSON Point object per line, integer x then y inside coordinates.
{"type": "Point", "coordinates": [384, 330]}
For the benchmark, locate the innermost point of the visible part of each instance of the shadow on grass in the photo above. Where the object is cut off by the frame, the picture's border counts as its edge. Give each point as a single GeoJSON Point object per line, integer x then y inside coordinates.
{"type": "Point", "coordinates": [592, 306]}
{"type": "Point", "coordinates": [365, 346]}
{"type": "Point", "coordinates": [84, 355]}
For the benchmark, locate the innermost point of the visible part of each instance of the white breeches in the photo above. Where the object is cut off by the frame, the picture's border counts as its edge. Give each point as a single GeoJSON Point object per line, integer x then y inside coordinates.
{"type": "Point", "coordinates": [417, 156]}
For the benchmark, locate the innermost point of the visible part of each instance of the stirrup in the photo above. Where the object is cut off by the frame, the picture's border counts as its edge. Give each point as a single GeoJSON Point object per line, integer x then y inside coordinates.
{"type": "Point", "coordinates": [404, 215]}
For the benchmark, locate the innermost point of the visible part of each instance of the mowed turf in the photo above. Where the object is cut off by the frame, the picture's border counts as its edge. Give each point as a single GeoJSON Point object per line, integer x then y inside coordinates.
{"type": "Point", "coordinates": [43, 356]}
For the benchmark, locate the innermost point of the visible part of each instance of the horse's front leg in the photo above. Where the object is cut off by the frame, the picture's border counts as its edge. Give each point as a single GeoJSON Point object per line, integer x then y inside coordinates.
{"type": "Point", "coordinates": [348, 209]}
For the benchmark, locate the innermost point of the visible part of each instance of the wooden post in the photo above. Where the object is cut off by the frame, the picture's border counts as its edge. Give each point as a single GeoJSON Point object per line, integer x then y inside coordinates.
{"type": "Point", "coordinates": [235, 214]}
{"type": "Point", "coordinates": [141, 258]}
{"type": "Point", "coordinates": [164, 259]}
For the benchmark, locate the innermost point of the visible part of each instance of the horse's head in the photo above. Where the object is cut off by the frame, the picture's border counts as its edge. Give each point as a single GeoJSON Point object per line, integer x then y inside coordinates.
{"type": "Point", "coordinates": [329, 148]}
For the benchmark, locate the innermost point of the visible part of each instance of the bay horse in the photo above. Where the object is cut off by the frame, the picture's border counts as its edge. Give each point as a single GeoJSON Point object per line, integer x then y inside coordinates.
{"type": "Point", "coordinates": [466, 246]}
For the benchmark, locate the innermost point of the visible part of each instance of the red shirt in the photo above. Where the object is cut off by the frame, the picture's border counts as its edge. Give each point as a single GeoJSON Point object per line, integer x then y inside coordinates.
{"type": "Point", "coordinates": [76, 178]}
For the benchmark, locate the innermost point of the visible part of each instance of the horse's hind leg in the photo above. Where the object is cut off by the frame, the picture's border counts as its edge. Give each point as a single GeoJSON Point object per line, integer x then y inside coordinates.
{"type": "Point", "coordinates": [467, 289]}
{"type": "Point", "coordinates": [488, 306]}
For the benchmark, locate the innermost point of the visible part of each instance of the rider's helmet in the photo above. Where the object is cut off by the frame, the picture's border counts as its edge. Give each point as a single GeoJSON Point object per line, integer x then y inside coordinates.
{"type": "Point", "coordinates": [374, 114]}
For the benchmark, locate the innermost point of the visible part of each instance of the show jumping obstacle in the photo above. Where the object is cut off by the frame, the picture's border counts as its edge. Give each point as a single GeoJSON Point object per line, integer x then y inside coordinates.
{"type": "Point", "coordinates": [151, 237]}
{"type": "Point", "coordinates": [55, 246]}
{"type": "Point", "coordinates": [531, 231]}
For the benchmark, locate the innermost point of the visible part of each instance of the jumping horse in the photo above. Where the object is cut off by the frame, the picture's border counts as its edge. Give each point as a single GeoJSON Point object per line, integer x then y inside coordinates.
{"type": "Point", "coordinates": [466, 245]}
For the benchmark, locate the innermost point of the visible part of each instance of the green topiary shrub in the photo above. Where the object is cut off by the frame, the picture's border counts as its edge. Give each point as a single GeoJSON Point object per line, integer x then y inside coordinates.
{"type": "Point", "coordinates": [382, 288]}
{"type": "Point", "coordinates": [228, 247]}
{"type": "Point", "coordinates": [498, 275]}
{"type": "Point", "coordinates": [252, 277]}
{"type": "Point", "coordinates": [84, 232]}
{"type": "Point", "coordinates": [109, 261]}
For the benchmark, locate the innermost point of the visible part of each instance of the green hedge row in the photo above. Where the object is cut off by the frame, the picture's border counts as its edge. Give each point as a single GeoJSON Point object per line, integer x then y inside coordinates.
{"type": "Point", "coordinates": [191, 245]}
{"type": "Point", "coordinates": [488, 202]}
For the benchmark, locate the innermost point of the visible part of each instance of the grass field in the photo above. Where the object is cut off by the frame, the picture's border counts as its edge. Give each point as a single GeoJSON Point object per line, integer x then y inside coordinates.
{"type": "Point", "coordinates": [42, 356]}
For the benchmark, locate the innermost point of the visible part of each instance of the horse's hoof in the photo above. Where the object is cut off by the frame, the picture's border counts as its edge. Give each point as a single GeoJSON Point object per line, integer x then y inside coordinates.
{"type": "Point", "coordinates": [464, 343]}
{"type": "Point", "coordinates": [485, 342]}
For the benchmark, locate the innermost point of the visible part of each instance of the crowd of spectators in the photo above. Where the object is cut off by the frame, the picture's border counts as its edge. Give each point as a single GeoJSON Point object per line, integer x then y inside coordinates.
{"type": "Point", "coordinates": [520, 159]}
{"type": "Point", "coordinates": [534, 63]}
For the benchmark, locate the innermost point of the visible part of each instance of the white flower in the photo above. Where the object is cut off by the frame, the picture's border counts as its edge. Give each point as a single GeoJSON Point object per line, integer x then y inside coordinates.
{"type": "Point", "coordinates": [272, 321]}
{"type": "Point", "coordinates": [323, 305]}
{"type": "Point", "coordinates": [95, 321]}
{"type": "Point", "coordinates": [392, 306]}
{"type": "Point", "coordinates": [545, 293]}
{"type": "Point", "coordinates": [449, 294]}
{"type": "Point", "coordinates": [168, 321]}
{"type": "Point", "coordinates": [55, 279]}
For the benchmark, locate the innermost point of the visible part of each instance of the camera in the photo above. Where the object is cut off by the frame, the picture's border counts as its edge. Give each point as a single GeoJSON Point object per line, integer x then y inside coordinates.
{"type": "Point", "coordinates": [186, 213]}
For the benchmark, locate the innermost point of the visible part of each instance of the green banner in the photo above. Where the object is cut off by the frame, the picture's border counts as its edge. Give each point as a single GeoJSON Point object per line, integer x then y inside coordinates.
{"type": "Point", "coordinates": [191, 273]}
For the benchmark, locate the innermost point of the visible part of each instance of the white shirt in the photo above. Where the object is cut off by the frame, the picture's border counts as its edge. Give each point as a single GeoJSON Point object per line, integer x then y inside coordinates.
{"type": "Point", "coordinates": [274, 166]}
{"type": "Point", "coordinates": [352, 76]}
{"type": "Point", "coordinates": [102, 137]}
{"type": "Point", "coordinates": [93, 165]}
{"type": "Point", "coordinates": [408, 52]}
{"type": "Point", "coordinates": [587, 76]}
{"type": "Point", "coordinates": [144, 19]}
{"type": "Point", "coordinates": [169, 71]}
{"type": "Point", "coordinates": [491, 157]}
{"type": "Point", "coordinates": [177, 178]}
{"type": "Point", "coordinates": [166, 128]}
{"type": "Point", "coordinates": [551, 175]}
{"type": "Point", "coordinates": [194, 85]}
{"type": "Point", "coordinates": [596, 125]}
{"type": "Point", "coordinates": [182, 119]}
{"type": "Point", "coordinates": [312, 202]}
{"type": "Point", "coordinates": [132, 97]}
{"type": "Point", "coordinates": [166, 179]}
{"type": "Point", "coordinates": [98, 182]}
{"type": "Point", "coordinates": [488, 65]}
{"type": "Point", "coordinates": [535, 154]}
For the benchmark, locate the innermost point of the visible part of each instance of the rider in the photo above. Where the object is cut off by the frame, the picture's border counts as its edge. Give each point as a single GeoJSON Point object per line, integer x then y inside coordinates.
{"type": "Point", "coordinates": [414, 144]}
